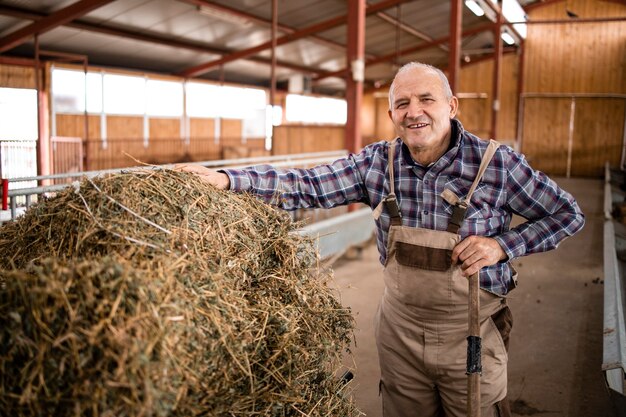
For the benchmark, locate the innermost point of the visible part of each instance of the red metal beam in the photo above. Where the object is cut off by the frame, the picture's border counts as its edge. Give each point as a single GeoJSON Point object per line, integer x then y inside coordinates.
{"type": "Point", "coordinates": [273, 67]}
{"type": "Point", "coordinates": [520, 91]}
{"type": "Point", "coordinates": [145, 37]}
{"type": "Point", "coordinates": [422, 46]}
{"type": "Point", "coordinates": [497, 9]}
{"type": "Point", "coordinates": [497, 72]}
{"type": "Point", "coordinates": [58, 18]}
{"type": "Point", "coordinates": [258, 20]}
{"type": "Point", "coordinates": [454, 60]}
{"type": "Point", "coordinates": [308, 31]}
{"type": "Point", "coordinates": [354, 80]}
{"type": "Point", "coordinates": [13, 60]}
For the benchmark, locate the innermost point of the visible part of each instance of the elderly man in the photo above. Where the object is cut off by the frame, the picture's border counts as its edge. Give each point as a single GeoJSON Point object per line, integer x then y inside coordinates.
{"type": "Point", "coordinates": [443, 201]}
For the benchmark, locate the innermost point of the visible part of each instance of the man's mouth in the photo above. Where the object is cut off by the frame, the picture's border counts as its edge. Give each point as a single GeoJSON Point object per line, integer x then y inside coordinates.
{"type": "Point", "coordinates": [416, 125]}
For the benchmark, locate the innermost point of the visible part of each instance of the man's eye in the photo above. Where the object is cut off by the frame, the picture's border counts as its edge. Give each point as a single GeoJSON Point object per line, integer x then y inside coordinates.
{"type": "Point", "coordinates": [401, 105]}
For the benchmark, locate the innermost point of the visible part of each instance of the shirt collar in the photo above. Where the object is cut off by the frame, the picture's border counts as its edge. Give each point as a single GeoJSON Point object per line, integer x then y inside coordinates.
{"type": "Point", "coordinates": [456, 138]}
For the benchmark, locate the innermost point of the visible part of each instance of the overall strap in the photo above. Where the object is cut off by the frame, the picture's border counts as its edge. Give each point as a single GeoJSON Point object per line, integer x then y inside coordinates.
{"type": "Point", "coordinates": [390, 202]}
{"type": "Point", "coordinates": [460, 205]}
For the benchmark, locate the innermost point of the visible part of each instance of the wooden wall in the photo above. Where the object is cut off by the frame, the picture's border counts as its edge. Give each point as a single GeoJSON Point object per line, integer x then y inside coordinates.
{"type": "Point", "coordinates": [13, 76]}
{"type": "Point", "coordinates": [291, 139]}
{"type": "Point", "coordinates": [125, 145]}
{"type": "Point", "coordinates": [475, 112]}
{"type": "Point", "coordinates": [583, 60]}
{"type": "Point", "coordinates": [375, 122]}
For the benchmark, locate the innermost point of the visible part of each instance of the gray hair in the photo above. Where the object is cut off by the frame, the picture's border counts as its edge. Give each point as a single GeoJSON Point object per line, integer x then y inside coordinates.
{"type": "Point", "coordinates": [415, 65]}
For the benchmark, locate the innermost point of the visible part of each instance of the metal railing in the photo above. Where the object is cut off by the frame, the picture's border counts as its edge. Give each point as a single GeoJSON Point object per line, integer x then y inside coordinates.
{"type": "Point", "coordinates": [12, 207]}
{"type": "Point", "coordinates": [614, 343]}
{"type": "Point", "coordinates": [333, 235]}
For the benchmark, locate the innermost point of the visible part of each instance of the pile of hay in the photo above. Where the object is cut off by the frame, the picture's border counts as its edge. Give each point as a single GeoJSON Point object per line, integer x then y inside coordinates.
{"type": "Point", "coordinates": [153, 294]}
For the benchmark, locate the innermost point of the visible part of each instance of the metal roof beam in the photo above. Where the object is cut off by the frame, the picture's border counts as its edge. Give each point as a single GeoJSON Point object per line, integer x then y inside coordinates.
{"type": "Point", "coordinates": [497, 9]}
{"type": "Point", "coordinates": [406, 51]}
{"type": "Point", "coordinates": [302, 33]}
{"type": "Point", "coordinates": [258, 20]}
{"type": "Point", "coordinates": [145, 37]}
{"type": "Point", "coordinates": [66, 14]}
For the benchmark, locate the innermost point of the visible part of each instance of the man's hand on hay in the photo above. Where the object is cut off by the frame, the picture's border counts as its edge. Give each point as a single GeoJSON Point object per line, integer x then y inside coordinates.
{"type": "Point", "coordinates": [218, 179]}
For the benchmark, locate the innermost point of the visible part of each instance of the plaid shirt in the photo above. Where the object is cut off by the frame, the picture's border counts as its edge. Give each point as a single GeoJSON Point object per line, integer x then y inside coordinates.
{"type": "Point", "coordinates": [508, 186]}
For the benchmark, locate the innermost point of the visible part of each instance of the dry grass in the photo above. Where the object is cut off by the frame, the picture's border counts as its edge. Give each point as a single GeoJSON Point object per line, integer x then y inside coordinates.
{"type": "Point", "coordinates": [153, 294]}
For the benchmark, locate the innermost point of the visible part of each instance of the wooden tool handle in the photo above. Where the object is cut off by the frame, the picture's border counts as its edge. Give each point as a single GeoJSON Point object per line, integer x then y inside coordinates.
{"type": "Point", "coordinates": [474, 367]}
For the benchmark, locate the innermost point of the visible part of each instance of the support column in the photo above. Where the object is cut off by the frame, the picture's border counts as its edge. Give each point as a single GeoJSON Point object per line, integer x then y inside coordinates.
{"type": "Point", "coordinates": [269, 141]}
{"type": "Point", "coordinates": [43, 132]}
{"type": "Point", "coordinates": [454, 63]}
{"type": "Point", "coordinates": [497, 72]}
{"type": "Point", "coordinates": [354, 80]}
{"type": "Point", "coordinates": [520, 92]}
{"type": "Point", "coordinates": [273, 67]}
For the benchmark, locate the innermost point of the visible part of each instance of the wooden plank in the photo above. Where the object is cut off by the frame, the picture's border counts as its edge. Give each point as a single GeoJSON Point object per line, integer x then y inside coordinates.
{"type": "Point", "coordinates": [13, 76]}
{"type": "Point", "coordinates": [203, 149]}
{"type": "Point", "coordinates": [125, 127]}
{"type": "Point", "coordinates": [231, 131]}
{"type": "Point", "coordinates": [202, 128]}
{"type": "Point", "coordinates": [73, 125]}
{"type": "Point", "coordinates": [368, 118]}
{"type": "Point", "coordinates": [545, 134]}
{"type": "Point", "coordinates": [292, 139]}
{"type": "Point", "coordinates": [384, 126]}
{"type": "Point", "coordinates": [161, 128]}
{"type": "Point", "coordinates": [576, 58]}
{"type": "Point", "coordinates": [598, 126]}
{"type": "Point", "coordinates": [475, 112]}
{"type": "Point", "coordinates": [125, 142]}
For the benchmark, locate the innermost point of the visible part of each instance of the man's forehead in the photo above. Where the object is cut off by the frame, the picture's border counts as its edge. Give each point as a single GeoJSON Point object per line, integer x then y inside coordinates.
{"type": "Point", "coordinates": [420, 83]}
{"type": "Point", "coordinates": [418, 75]}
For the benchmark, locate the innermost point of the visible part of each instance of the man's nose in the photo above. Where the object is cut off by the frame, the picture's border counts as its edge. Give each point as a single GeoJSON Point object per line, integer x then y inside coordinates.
{"type": "Point", "coordinates": [414, 109]}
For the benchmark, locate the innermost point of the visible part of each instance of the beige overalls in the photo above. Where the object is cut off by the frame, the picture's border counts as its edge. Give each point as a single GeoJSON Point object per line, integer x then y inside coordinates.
{"type": "Point", "coordinates": [422, 323]}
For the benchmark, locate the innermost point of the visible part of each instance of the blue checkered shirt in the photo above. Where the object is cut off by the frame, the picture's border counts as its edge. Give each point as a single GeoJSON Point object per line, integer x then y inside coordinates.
{"type": "Point", "coordinates": [508, 186]}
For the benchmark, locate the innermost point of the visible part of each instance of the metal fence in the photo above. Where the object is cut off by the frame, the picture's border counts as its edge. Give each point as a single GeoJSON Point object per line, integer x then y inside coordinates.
{"type": "Point", "coordinates": [18, 161]}
{"type": "Point", "coordinates": [614, 331]}
{"type": "Point", "coordinates": [334, 230]}
{"type": "Point", "coordinates": [22, 192]}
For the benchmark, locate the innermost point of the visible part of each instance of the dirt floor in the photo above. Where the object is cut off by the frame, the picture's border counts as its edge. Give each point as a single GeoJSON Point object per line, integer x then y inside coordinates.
{"type": "Point", "coordinates": [555, 355]}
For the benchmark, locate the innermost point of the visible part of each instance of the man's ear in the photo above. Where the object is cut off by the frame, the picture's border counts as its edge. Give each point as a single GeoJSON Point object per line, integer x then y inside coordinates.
{"type": "Point", "coordinates": [389, 114]}
{"type": "Point", "coordinates": [454, 106]}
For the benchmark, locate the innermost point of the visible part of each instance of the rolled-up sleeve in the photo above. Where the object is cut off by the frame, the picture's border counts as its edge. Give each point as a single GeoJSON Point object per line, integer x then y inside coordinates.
{"type": "Point", "coordinates": [325, 186]}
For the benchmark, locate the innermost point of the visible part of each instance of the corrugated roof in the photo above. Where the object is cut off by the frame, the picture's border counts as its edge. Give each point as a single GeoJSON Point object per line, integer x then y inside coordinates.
{"type": "Point", "coordinates": [171, 36]}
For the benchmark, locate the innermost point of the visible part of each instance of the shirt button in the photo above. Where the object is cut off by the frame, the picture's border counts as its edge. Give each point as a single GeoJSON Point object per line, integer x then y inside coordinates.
{"type": "Point", "coordinates": [425, 212]}
{"type": "Point", "coordinates": [426, 182]}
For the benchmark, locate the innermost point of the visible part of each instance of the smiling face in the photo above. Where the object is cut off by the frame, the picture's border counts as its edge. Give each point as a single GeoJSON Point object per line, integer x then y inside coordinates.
{"type": "Point", "coordinates": [421, 112]}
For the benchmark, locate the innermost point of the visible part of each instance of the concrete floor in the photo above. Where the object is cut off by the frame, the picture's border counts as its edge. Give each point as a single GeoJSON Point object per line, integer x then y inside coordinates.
{"type": "Point", "coordinates": [555, 354]}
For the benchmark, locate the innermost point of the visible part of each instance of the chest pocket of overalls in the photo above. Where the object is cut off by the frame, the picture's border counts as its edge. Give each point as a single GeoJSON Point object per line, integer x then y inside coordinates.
{"type": "Point", "coordinates": [423, 257]}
